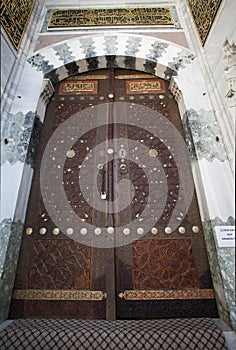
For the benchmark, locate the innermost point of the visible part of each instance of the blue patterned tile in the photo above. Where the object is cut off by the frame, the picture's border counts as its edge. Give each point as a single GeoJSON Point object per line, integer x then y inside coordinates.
{"type": "Point", "coordinates": [110, 45]}
{"type": "Point", "coordinates": [16, 137]}
{"type": "Point", "coordinates": [201, 130]}
{"type": "Point", "coordinates": [157, 50]}
{"type": "Point", "coordinates": [132, 46]}
{"type": "Point", "coordinates": [64, 53]}
{"type": "Point", "coordinates": [41, 64]}
{"type": "Point", "coordinates": [87, 45]}
{"type": "Point", "coordinates": [183, 58]}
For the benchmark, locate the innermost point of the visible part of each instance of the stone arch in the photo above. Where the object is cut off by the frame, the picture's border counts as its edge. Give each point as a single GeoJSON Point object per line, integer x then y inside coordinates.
{"type": "Point", "coordinates": [130, 51]}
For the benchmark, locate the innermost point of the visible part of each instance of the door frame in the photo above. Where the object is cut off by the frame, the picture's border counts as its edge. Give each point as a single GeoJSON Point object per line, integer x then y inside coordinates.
{"type": "Point", "coordinates": [132, 61]}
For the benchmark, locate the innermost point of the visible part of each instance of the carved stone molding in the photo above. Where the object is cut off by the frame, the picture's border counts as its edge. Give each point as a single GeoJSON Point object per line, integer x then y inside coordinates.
{"type": "Point", "coordinates": [230, 70]}
{"type": "Point", "coordinates": [47, 91]}
{"type": "Point", "coordinates": [177, 93]}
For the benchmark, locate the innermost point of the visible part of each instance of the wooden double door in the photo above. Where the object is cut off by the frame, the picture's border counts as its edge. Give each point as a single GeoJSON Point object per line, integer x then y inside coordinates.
{"type": "Point", "coordinates": [106, 267]}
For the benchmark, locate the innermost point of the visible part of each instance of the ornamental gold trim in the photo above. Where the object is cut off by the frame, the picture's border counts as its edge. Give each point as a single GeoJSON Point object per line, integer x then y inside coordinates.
{"type": "Point", "coordinates": [135, 76]}
{"type": "Point", "coordinates": [145, 86]}
{"type": "Point", "coordinates": [42, 294]}
{"type": "Point", "coordinates": [183, 294]}
{"type": "Point", "coordinates": [110, 17]}
{"type": "Point", "coordinates": [77, 87]}
{"type": "Point", "coordinates": [89, 77]}
{"type": "Point", "coordinates": [14, 18]}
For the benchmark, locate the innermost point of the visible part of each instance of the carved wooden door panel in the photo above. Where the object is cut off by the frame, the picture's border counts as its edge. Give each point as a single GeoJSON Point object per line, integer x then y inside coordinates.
{"type": "Point", "coordinates": [138, 250]}
{"type": "Point", "coordinates": [164, 272]}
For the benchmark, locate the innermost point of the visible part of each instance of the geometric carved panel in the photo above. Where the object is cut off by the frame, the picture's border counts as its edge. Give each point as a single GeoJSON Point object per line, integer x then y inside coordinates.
{"type": "Point", "coordinates": [204, 13]}
{"type": "Point", "coordinates": [14, 18]}
{"type": "Point", "coordinates": [164, 263]}
{"type": "Point", "coordinates": [60, 264]}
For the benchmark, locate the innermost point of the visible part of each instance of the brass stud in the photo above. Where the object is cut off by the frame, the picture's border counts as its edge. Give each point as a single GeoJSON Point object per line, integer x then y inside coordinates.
{"type": "Point", "coordinates": [97, 231]}
{"type": "Point", "coordinates": [29, 231]}
{"type": "Point", "coordinates": [168, 230]}
{"type": "Point", "coordinates": [140, 231]}
{"type": "Point", "coordinates": [126, 231]}
{"type": "Point", "coordinates": [43, 231]}
{"type": "Point", "coordinates": [83, 231]}
{"type": "Point", "coordinates": [154, 231]}
{"type": "Point", "coordinates": [195, 229]}
{"type": "Point", "coordinates": [70, 231]}
{"type": "Point", "coordinates": [56, 231]}
{"type": "Point", "coordinates": [182, 230]}
{"type": "Point", "coordinates": [110, 230]}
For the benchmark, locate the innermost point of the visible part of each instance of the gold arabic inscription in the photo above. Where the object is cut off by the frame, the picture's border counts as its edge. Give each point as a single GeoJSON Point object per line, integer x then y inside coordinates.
{"type": "Point", "coordinates": [204, 13]}
{"type": "Point", "coordinates": [79, 87]}
{"type": "Point", "coordinates": [14, 18]}
{"type": "Point", "coordinates": [144, 86]}
{"type": "Point", "coordinates": [110, 17]}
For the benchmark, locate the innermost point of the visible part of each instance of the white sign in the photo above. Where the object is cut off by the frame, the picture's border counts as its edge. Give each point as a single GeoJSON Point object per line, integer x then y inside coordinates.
{"type": "Point", "coordinates": [225, 236]}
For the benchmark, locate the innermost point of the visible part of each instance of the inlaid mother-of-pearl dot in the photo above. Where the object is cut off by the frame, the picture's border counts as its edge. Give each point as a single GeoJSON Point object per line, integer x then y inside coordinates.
{"type": "Point", "coordinates": [140, 231]}
{"type": "Point", "coordinates": [154, 231]}
{"type": "Point", "coordinates": [153, 152]}
{"type": "Point", "coordinates": [110, 151]}
{"type": "Point", "coordinates": [56, 231]}
{"type": "Point", "coordinates": [70, 153]}
{"type": "Point", "coordinates": [126, 231]}
{"type": "Point", "coordinates": [43, 231]}
{"type": "Point", "coordinates": [83, 231]}
{"type": "Point", "coordinates": [195, 229]}
{"type": "Point", "coordinates": [168, 230]}
{"type": "Point", "coordinates": [181, 230]}
{"type": "Point", "coordinates": [70, 231]}
{"type": "Point", "coordinates": [97, 231]}
{"type": "Point", "coordinates": [110, 230]}
{"type": "Point", "coordinates": [29, 231]}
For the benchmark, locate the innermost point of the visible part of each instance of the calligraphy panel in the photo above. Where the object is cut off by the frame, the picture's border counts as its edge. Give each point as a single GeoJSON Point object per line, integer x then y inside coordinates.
{"type": "Point", "coordinates": [79, 87]}
{"type": "Point", "coordinates": [145, 86]}
{"type": "Point", "coordinates": [110, 17]}
{"type": "Point", "coordinates": [14, 18]}
{"type": "Point", "coordinates": [204, 13]}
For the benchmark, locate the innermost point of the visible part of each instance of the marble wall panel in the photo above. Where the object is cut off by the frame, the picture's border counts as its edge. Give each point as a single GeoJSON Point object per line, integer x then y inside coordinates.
{"type": "Point", "coordinates": [13, 230]}
{"type": "Point", "coordinates": [222, 262]}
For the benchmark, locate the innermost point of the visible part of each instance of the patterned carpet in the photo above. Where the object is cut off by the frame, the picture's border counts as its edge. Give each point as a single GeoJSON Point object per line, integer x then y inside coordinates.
{"type": "Point", "coordinates": [188, 334]}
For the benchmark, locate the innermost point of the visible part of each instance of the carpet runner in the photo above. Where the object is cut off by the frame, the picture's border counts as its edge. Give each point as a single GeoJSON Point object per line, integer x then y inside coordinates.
{"type": "Point", "coordinates": [59, 334]}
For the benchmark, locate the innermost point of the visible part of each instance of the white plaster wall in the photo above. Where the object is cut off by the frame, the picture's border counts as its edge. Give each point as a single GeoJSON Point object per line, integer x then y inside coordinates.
{"type": "Point", "coordinates": [8, 57]}
{"type": "Point", "coordinates": [224, 27]}
{"type": "Point", "coordinates": [219, 188]}
{"type": "Point", "coordinates": [10, 183]}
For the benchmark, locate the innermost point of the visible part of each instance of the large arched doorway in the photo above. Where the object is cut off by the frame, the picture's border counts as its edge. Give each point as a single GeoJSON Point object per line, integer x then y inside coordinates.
{"type": "Point", "coordinates": [159, 272]}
